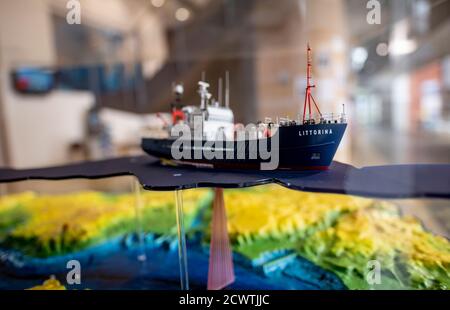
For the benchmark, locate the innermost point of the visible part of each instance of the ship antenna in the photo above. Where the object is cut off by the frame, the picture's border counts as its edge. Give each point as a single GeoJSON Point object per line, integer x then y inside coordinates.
{"type": "Point", "coordinates": [308, 95]}
{"type": "Point", "coordinates": [227, 89]}
{"type": "Point", "coordinates": [204, 94]}
{"type": "Point", "coordinates": [219, 94]}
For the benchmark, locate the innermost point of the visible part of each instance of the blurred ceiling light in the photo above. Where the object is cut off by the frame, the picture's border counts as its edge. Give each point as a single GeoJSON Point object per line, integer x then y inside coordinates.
{"type": "Point", "coordinates": [182, 14]}
{"type": "Point", "coordinates": [382, 49]}
{"type": "Point", "coordinates": [399, 43]}
{"type": "Point", "coordinates": [359, 57]}
{"type": "Point", "coordinates": [158, 3]}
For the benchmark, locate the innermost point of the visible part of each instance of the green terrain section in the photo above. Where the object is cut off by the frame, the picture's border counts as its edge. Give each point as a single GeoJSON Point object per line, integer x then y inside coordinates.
{"type": "Point", "coordinates": [44, 225]}
{"type": "Point", "coordinates": [360, 242]}
{"type": "Point", "coordinates": [366, 242]}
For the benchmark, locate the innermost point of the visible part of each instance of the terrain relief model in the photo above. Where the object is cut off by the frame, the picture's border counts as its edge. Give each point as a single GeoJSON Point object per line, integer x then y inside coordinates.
{"type": "Point", "coordinates": [281, 239]}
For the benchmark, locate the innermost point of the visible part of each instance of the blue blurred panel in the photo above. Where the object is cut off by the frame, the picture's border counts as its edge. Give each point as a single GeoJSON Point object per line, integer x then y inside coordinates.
{"type": "Point", "coordinates": [99, 79]}
{"type": "Point", "coordinates": [33, 80]}
{"type": "Point", "coordinates": [80, 78]}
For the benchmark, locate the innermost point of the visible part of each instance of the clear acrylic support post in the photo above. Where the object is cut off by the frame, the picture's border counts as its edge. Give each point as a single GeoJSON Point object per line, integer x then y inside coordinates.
{"type": "Point", "coordinates": [139, 228]}
{"type": "Point", "coordinates": [182, 252]}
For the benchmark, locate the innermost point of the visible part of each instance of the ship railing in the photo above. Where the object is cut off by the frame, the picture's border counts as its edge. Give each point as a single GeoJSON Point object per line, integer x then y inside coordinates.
{"type": "Point", "coordinates": [280, 121]}
{"type": "Point", "coordinates": [328, 118]}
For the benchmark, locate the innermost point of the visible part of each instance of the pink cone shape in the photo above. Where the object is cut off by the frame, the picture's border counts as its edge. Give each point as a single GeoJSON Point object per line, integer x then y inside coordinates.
{"type": "Point", "coordinates": [221, 271]}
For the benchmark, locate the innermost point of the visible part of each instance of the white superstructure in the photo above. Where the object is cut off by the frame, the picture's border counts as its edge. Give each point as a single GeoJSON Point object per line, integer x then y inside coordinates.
{"type": "Point", "coordinates": [211, 117]}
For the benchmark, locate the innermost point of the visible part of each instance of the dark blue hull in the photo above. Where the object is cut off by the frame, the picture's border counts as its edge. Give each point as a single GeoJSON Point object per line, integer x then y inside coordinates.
{"type": "Point", "coordinates": [299, 147]}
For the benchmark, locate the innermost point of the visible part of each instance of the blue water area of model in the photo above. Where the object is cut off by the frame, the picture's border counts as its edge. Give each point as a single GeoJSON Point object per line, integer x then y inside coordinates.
{"type": "Point", "coordinates": [116, 265]}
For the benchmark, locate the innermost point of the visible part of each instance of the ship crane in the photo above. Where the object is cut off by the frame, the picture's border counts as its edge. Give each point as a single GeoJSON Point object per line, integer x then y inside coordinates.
{"type": "Point", "coordinates": [308, 95]}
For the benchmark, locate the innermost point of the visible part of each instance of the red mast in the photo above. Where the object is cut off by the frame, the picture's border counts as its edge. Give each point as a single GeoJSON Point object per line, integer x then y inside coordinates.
{"type": "Point", "coordinates": [308, 96]}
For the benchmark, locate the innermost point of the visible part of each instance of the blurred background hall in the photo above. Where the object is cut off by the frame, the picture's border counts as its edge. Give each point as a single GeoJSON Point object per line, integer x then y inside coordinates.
{"type": "Point", "coordinates": [71, 92]}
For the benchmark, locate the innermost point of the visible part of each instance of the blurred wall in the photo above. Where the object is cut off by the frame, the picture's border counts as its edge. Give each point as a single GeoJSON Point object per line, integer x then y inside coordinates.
{"type": "Point", "coordinates": [142, 30]}
{"type": "Point", "coordinates": [37, 130]}
{"type": "Point", "coordinates": [281, 40]}
{"type": "Point", "coordinates": [280, 58]}
{"type": "Point", "coordinates": [326, 25]}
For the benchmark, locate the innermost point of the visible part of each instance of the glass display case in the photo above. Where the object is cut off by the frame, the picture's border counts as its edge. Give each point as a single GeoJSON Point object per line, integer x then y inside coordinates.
{"type": "Point", "coordinates": [87, 88]}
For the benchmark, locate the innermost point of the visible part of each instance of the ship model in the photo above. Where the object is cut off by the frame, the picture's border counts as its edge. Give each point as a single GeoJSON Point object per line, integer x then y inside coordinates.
{"type": "Point", "coordinates": [206, 135]}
